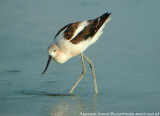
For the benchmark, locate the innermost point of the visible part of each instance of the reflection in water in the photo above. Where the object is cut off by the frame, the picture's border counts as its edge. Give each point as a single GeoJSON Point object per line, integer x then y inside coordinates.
{"type": "Point", "coordinates": [74, 107]}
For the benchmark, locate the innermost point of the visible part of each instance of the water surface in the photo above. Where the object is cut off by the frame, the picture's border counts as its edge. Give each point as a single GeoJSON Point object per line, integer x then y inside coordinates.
{"type": "Point", "coordinates": [126, 58]}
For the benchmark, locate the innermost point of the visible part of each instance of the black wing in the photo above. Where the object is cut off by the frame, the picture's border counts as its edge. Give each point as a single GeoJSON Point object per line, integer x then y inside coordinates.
{"type": "Point", "coordinates": [91, 29]}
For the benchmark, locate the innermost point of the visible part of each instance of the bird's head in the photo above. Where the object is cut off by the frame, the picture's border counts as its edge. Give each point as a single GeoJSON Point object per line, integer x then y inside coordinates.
{"type": "Point", "coordinates": [53, 50]}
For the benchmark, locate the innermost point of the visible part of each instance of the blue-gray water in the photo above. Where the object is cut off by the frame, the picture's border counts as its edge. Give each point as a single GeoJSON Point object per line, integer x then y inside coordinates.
{"type": "Point", "coordinates": [126, 58]}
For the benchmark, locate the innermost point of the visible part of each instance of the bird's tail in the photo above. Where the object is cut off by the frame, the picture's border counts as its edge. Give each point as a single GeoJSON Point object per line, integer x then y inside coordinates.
{"type": "Point", "coordinates": [102, 19]}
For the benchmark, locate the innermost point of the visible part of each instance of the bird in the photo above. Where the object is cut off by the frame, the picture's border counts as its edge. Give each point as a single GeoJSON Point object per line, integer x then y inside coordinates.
{"type": "Point", "coordinates": [73, 39]}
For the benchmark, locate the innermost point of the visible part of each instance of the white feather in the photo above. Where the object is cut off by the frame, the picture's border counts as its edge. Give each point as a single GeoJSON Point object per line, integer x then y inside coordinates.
{"type": "Point", "coordinates": [70, 49]}
{"type": "Point", "coordinates": [81, 26]}
{"type": "Point", "coordinates": [85, 44]}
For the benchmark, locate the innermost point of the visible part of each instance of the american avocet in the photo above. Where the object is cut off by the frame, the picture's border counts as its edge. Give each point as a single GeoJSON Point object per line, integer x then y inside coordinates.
{"type": "Point", "coordinates": [73, 39]}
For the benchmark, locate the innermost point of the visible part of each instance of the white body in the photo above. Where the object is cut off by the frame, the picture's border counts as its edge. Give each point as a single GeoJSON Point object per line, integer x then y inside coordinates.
{"type": "Point", "coordinates": [68, 50]}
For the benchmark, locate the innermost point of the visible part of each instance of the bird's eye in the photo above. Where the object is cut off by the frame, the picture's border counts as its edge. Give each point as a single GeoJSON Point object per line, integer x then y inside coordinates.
{"type": "Point", "coordinates": [54, 50]}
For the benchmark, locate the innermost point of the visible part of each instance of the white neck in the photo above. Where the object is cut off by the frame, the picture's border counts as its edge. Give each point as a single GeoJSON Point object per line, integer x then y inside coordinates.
{"type": "Point", "coordinates": [61, 58]}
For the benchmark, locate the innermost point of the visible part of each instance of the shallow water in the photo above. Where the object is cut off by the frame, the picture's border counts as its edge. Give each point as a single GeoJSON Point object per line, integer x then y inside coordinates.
{"type": "Point", "coordinates": [126, 58]}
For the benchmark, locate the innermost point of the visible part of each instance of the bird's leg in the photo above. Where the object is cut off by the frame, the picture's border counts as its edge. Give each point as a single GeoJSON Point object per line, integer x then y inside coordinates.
{"type": "Point", "coordinates": [83, 73]}
{"type": "Point", "coordinates": [93, 73]}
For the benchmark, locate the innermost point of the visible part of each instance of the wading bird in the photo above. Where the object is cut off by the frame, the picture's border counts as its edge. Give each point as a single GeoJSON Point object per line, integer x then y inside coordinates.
{"type": "Point", "coordinates": [73, 39]}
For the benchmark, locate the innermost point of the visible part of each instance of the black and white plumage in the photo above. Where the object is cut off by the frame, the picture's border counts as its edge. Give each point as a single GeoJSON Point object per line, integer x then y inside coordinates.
{"type": "Point", "coordinates": [74, 38]}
